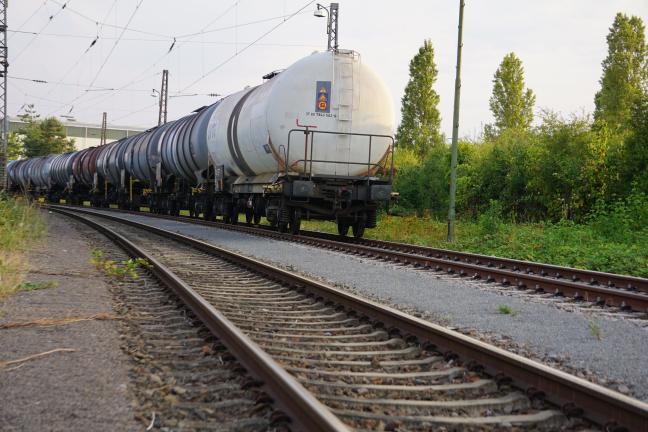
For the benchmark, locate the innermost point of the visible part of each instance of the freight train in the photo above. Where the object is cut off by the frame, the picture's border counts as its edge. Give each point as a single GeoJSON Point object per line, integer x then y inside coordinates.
{"type": "Point", "coordinates": [314, 141]}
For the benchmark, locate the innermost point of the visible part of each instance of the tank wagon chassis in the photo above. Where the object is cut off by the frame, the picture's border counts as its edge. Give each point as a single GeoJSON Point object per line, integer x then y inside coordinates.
{"type": "Point", "coordinates": [284, 198]}
{"type": "Point", "coordinates": [289, 197]}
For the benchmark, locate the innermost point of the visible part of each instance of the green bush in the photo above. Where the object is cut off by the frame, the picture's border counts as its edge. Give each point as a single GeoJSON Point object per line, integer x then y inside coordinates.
{"type": "Point", "coordinates": [490, 222]}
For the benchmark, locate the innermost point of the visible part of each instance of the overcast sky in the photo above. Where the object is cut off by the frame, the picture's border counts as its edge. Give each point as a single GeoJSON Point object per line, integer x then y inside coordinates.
{"type": "Point", "coordinates": [561, 43]}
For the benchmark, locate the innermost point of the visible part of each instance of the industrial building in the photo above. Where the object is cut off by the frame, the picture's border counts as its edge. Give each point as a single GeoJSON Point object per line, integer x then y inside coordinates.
{"type": "Point", "coordinates": [85, 134]}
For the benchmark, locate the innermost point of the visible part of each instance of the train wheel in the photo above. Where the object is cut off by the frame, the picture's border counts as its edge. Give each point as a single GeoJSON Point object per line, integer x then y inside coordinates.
{"type": "Point", "coordinates": [207, 214]}
{"type": "Point", "coordinates": [295, 222]}
{"type": "Point", "coordinates": [358, 228]}
{"type": "Point", "coordinates": [343, 228]}
{"type": "Point", "coordinates": [214, 211]}
{"type": "Point", "coordinates": [234, 216]}
{"type": "Point", "coordinates": [283, 219]}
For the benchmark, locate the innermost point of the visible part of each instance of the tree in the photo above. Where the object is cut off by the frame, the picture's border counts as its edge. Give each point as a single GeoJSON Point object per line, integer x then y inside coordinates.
{"type": "Point", "coordinates": [567, 166]}
{"type": "Point", "coordinates": [41, 138]}
{"type": "Point", "coordinates": [510, 103]}
{"type": "Point", "coordinates": [625, 72]}
{"type": "Point", "coordinates": [15, 149]}
{"type": "Point", "coordinates": [635, 157]}
{"type": "Point", "coordinates": [421, 121]}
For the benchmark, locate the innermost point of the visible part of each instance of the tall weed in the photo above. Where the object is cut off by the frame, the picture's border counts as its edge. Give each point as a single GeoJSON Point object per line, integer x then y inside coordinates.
{"type": "Point", "coordinates": [597, 247]}
{"type": "Point", "coordinates": [622, 220]}
{"type": "Point", "coordinates": [20, 226]}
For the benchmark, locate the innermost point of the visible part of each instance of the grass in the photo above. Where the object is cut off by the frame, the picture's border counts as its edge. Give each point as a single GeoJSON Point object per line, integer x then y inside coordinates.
{"type": "Point", "coordinates": [33, 286]}
{"type": "Point", "coordinates": [565, 243]}
{"type": "Point", "coordinates": [594, 328]}
{"type": "Point", "coordinates": [118, 270]}
{"type": "Point", "coordinates": [506, 310]}
{"type": "Point", "coordinates": [21, 226]}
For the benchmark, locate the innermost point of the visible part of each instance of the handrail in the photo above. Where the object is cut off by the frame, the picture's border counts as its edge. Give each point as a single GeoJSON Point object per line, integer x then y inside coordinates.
{"type": "Point", "coordinates": [308, 161]}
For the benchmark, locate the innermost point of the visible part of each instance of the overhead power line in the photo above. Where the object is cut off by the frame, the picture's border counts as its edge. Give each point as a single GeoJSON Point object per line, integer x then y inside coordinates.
{"type": "Point", "coordinates": [154, 104]}
{"type": "Point", "coordinates": [186, 38]}
{"type": "Point", "coordinates": [116, 42]}
{"type": "Point", "coordinates": [103, 97]}
{"type": "Point", "coordinates": [239, 25]}
{"type": "Point", "coordinates": [103, 94]}
{"type": "Point", "coordinates": [88, 88]}
{"type": "Point", "coordinates": [236, 54]}
{"type": "Point", "coordinates": [164, 40]}
{"type": "Point", "coordinates": [158, 60]}
{"type": "Point", "coordinates": [21, 52]}
{"type": "Point", "coordinates": [80, 58]}
{"type": "Point", "coordinates": [94, 21]}
{"type": "Point", "coordinates": [71, 103]}
{"type": "Point", "coordinates": [30, 16]}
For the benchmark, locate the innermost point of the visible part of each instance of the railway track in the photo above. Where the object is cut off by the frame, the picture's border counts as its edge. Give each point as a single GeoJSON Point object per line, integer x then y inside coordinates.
{"type": "Point", "coordinates": [183, 377]}
{"type": "Point", "coordinates": [325, 355]}
{"type": "Point", "coordinates": [621, 292]}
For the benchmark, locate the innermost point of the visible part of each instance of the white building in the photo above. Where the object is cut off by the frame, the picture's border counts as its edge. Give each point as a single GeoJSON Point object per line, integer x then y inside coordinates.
{"type": "Point", "coordinates": [86, 134]}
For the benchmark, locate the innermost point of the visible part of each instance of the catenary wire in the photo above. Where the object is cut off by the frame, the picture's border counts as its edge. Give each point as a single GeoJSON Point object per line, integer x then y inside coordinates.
{"type": "Point", "coordinates": [205, 29]}
{"type": "Point", "coordinates": [237, 53]}
{"type": "Point", "coordinates": [89, 19]}
{"type": "Point", "coordinates": [116, 42]}
{"type": "Point", "coordinates": [71, 103]}
{"type": "Point", "coordinates": [51, 18]}
{"type": "Point", "coordinates": [105, 98]}
{"type": "Point", "coordinates": [30, 17]}
{"type": "Point", "coordinates": [69, 84]}
{"type": "Point", "coordinates": [81, 57]}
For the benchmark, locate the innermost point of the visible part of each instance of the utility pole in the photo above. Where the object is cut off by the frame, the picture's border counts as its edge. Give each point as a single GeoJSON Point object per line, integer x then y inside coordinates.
{"type": "Point", "coordinates": [455, 128]}
{"type": "Point", "coordinates": [333, 27]}
{"type": "Point", "coordinates": [331, 24]}
{"type": "Point", "coordinates": [164, 95]}
{"type": "Point", "coordinates": [104, 126]}
{"type": "Point", "coordinates": [4, 65]}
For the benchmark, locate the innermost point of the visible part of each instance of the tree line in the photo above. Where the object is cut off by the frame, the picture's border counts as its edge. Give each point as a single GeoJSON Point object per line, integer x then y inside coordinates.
{"type": "Point", "coordinates": [563, 168]}
{"type": "Point", "coordinates": [37, 137]}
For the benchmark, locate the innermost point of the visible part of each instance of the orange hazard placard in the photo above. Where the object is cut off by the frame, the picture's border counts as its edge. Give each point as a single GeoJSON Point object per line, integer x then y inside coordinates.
{"type": "Point", "coordinates": [322, 96]}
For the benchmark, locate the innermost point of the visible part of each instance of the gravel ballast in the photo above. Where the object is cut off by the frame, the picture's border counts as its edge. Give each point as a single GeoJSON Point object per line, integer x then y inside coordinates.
{"type": "Point", "coordinates": [85, 389]}
{"type": "Point", "coordinates": [618, 359]}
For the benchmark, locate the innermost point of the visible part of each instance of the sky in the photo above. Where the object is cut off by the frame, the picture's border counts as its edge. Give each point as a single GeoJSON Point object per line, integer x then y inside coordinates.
{"type": "Point", "coordinates": [221, 46]}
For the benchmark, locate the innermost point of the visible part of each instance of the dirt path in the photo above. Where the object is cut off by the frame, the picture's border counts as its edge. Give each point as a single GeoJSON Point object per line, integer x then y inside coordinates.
{"type": "Point", "coordinates": [84, 386]}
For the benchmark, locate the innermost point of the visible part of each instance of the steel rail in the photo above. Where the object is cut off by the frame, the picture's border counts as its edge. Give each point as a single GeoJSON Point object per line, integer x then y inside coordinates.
{"type": "Point", "coordinates": [290, 396]}
{"type": "Point", "coordinates": [562, 287]}
{"type": "Point", "coordinates": [593, 277]}
{"type": "Point", "coordinates": [599, 404]}
{"type": "Point", "coordinates": [601, 289]}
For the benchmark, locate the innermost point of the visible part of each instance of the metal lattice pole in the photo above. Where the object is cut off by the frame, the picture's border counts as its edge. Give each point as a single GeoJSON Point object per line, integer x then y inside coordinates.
{"type": "Point", "coordinates": [164, 95]}
{"type": "Point", "coordinates": [333, 27]}
{"type": "Point", "coordinates": [104, 127]}
{"type": "Point", "coordinates": [4, 65]}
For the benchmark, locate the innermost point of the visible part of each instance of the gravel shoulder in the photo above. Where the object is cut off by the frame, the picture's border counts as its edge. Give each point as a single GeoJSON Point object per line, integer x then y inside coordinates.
{"type": "Point", "coordinates": [607, 350]}
{"type": "Point", "coordinates": [80, 390]}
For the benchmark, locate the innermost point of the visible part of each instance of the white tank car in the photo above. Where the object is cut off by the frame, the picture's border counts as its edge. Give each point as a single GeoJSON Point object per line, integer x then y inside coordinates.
{"type": "Point", "coordinates": [327, 91]}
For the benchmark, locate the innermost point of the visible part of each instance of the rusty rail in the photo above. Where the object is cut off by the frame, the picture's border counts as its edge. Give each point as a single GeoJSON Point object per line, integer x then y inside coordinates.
{"type": "Point", "coordinates": [604, 289]}
{"type": "Point", "coordinates": [591, 277]}
{"type": "Point", "coordinates": [601, 405]}
{"type": "Point", "coordinates": [289, 395]}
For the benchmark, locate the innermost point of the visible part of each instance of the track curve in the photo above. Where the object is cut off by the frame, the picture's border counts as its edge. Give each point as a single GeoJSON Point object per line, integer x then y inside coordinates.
{"type": "Point", "coordinates": [381, 344]}
{"type": "Point", "coordinates": [626, 293]}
